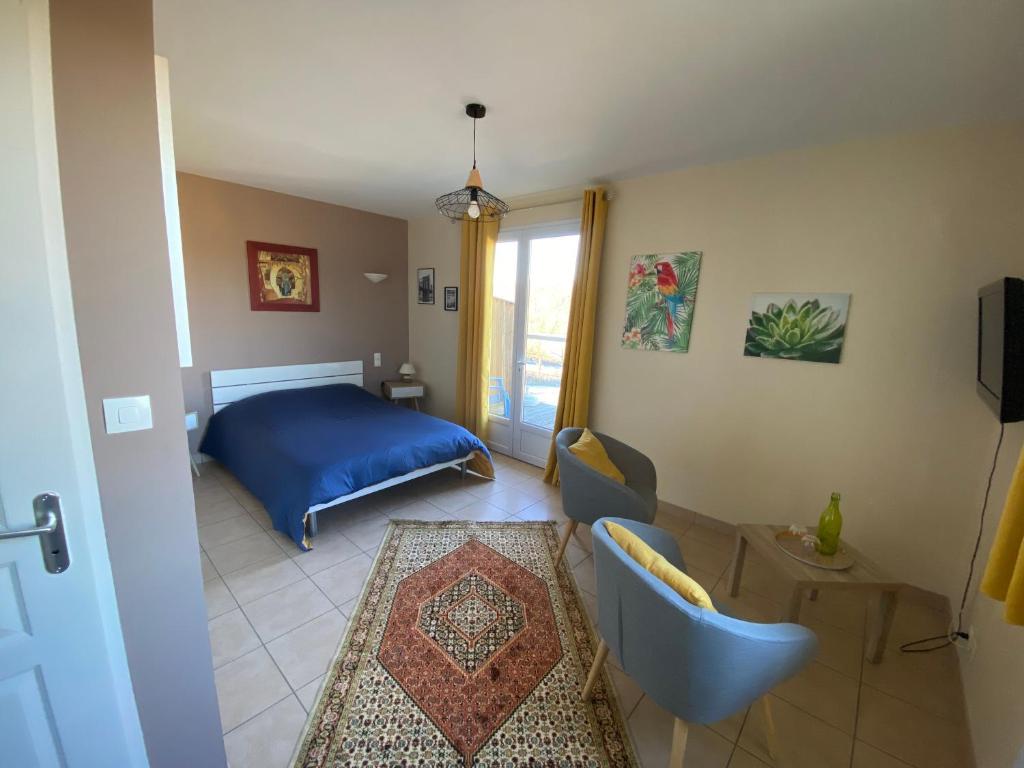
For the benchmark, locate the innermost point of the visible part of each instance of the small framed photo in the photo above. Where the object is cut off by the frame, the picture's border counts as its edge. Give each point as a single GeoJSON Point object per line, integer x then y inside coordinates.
{"type": "Point", "coordinates": [425, 285]}
{"type": "Point", "coordinates": [282, 278]}
{"type": "Point", "coordinates": [451, 298]}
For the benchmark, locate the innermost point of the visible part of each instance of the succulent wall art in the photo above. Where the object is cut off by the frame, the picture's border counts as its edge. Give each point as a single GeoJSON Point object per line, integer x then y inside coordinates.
{"type": "Point", "coordinates": [797, 326]}
{"type": "Point", "coordinates": [660, 301]}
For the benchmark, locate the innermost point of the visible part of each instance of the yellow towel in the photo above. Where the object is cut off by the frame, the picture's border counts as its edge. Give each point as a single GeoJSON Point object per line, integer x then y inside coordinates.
{"type": "Point", "coordinates": [1004, 575]}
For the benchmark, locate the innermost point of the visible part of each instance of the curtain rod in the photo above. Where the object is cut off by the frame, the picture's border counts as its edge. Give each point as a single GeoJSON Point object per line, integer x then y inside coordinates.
{"type": "Point", "coordinates": [608, 195]}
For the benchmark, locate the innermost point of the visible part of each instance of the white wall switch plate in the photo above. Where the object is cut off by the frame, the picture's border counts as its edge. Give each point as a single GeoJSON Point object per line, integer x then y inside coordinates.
{"type": "Point", "coordinates": [376, 359]}
{"type": "Point", "coordinates": [191, 421]}
{"type": "Point", "coordinates": [127, 414]}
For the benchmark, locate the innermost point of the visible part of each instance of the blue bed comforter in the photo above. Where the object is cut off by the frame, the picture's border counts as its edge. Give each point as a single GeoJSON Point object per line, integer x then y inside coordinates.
{"type": "Point", "coordinates": [297, 448]}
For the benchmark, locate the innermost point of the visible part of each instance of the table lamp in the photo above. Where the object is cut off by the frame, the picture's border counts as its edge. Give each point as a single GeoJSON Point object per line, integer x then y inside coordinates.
{"type": "Point", "coordinates": [407, 371]}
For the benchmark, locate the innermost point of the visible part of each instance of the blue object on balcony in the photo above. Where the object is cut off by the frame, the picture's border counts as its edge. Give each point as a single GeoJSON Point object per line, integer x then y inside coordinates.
{"type": "Point", "coordinates": [498, 395]}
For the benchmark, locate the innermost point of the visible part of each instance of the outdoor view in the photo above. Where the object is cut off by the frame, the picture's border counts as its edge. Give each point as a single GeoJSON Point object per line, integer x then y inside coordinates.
{"type": "Point", "coordinates": [552, 267]}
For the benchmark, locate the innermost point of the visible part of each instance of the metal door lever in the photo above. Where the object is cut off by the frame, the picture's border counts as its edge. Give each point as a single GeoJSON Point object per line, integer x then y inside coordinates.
{"type": "Point", "coordinates": [50, 530]}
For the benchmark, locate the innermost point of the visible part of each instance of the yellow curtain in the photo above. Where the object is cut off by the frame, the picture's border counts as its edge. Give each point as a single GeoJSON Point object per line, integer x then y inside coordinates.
{"type": "Point", "coordinates": [574, 398]}
{"type": "Point", "coordinates": [476, 275]}
{"type": "Point", "coordinates": [1004, 575]}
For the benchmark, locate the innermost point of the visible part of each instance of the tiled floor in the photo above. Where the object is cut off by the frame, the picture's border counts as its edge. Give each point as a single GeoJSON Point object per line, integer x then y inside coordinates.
{"type": "Point", "coordinates": [277, 616]}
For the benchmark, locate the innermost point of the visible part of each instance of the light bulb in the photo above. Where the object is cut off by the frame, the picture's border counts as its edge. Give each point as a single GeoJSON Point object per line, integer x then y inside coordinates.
{"type": "Point", "coordinates": [473, 210]}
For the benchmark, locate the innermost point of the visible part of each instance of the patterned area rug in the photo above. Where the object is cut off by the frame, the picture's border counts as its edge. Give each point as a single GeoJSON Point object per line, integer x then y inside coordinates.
{"type": "Point", "coordinates": [468, 649]}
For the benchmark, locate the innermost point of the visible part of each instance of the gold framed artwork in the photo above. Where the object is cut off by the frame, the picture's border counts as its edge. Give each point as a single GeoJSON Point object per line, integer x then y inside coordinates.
{"type": "Point", "coordinates": [282, 278]}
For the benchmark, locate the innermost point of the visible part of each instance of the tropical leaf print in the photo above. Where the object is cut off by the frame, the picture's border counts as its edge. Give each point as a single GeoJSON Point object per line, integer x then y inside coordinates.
{"type": "Point", "coordinates": [660, 299]}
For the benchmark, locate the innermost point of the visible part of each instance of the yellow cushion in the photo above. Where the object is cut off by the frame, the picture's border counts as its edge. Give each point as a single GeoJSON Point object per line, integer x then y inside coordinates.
{"type": "Point", "coordinates": [590, 451]}
{"type": "Point", "coordinates": [659, 567]}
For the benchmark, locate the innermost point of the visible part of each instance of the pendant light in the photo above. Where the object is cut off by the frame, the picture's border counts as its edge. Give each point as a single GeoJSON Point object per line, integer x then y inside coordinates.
{"type": "Point", "coordinates": [472, 202]}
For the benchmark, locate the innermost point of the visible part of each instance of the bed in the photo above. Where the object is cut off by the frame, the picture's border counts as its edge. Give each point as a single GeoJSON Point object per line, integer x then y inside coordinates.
{"type": "Point", "coordinates": [303, 438]}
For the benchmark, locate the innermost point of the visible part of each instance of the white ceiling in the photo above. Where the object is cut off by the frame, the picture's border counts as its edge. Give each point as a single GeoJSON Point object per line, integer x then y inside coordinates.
{"type": "Point", "coordinates": [361, 103]}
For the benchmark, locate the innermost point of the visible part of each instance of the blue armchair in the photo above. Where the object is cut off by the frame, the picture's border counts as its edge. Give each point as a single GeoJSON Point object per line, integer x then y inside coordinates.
{"type": "Point", "coordinates": [588, 495]}
{"type": "Point", "coordinates": [699, 665]}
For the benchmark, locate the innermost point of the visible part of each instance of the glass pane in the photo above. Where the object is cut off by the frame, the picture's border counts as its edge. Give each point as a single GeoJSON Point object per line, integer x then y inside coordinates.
{"type": "Point", "coordinates": [503, 311]}
{"type": "Point", "coordinates": [552, 269]}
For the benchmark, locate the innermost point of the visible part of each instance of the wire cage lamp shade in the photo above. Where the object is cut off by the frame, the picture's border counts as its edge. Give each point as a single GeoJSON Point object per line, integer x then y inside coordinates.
{"type": "Point", "coordinates": [472, 202]}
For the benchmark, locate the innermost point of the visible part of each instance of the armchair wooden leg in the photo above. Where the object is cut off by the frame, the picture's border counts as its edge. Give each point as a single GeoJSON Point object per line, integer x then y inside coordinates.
{"type": "Point", "coordinates": [595, 670]}
{"type": "Point", "coordinates": [769, 729]}
{"type": "Point", "coordinates": [679, 733]}
{"type": "Point", "coordinates": [565, 541]}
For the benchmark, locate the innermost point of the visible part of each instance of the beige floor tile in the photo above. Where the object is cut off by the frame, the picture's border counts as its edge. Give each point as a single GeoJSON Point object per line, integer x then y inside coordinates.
{"type": "Point", "coordinates": [844, 609]}
{"type": "Point", "coordinates": [451, 501]}
{"type": "Point", "coordinates": [915, 622]}
{"type": "Point", "coordinates": [304, 653]}
{"type": "Point", "coordinates": [482, 512]}
{"type": "Point", "coordinates": [254, 581]}
{"type": "Point", "coordinates": [627, 691]}
{"type": "Point", "coordinates": [931, 681]}
{"type": "Point", "coordinates": [368, 534]}
{"type": "Point", "coordinates": [842, 651]}
{"type": "Point", "coordinates": [247, 686]}
{"type": "Point", "coordinates": [219, 510]}
{"type": "Point", "coordinates": [218, 599]}
{"type": "Point", "coordinates": [652, 736]}
{"type": "Point", "coordinates": [269, 739]}
{"type": "Point", "coordinates": [393, 498]}
{"type": "Point", "coordinates": [703, 556]}
{"type": "Point", "coordinates": [349, 607]}
{"type": "Point", "coordinates": [909, 733]}
{"type": "Point", "coordinates": [228, 558]}
{"type": "Point", "coordinates": [344, 581]}
{"type": "Point", "coordinates": [585, 577]}
{"type": "Point", "coordinates": [226, 531]}
{"type": "Point", "coordinates": [262, 518]}
{"type": "Point", "coordinates": [514, 499]}
{"type": "Point", "coordinates": [590, 605]}
{"type": "Point", "coordinates": [743, 759]}
{"type": "Point", "coordinates": [231, 637]}
{"type": "Point", "coordinates": [574, 553]}
{"type": "Point", "coordinates": [486, 489]}
{"type": "Point", "coordinates": [746, 605]}
{"type": "Point", "coordinates": [307, 694]}
{"type": "Point", "coordinates": [209, 572]}
{"type": "Point", "coordinates": [542, 489]}
{"type": "Point", "coordinates": [420, 510]}
{"type": "Point", "coordinates": [582, 536]}
{"type": "Point", "coordinates": [282, 611]}
{"type": "Point", "coordinates": [804, 741]}
{"type": "Point", "coordinates": [545, 509]}
{"type": "Point", "coordinates": [824, 693]}
{"type": "Point", "coordinates": [761, 578]}
{"type": "Point", "coordinates": [712, 537]}
{"type": "Point", "coordinates": [730, 727]}
{"type": "Point", "coordinates": [678, 521]}
{"type": "Point", "coordinates": [328, 549]}
{"type": "Point", "coordinates": [704, 578]}
{"type": "Point", "coordinates": [866, 756]}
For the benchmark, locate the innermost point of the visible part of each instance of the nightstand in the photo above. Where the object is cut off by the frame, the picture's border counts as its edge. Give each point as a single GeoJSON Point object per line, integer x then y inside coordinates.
{"type": "Point", "coordinates": [403, 390]}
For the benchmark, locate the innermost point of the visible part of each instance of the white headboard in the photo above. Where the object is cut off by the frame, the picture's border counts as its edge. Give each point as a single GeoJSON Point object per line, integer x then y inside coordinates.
{"type": "Point", "coordinates": [229, 386]}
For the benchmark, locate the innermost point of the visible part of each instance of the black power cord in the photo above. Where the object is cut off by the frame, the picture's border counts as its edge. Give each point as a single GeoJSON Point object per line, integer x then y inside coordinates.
{"type": "Point", "coordinates": [941, 641]}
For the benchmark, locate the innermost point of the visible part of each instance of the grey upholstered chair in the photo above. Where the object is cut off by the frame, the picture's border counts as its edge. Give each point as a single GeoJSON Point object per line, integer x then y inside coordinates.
{"type": "Point", "coordinates": [588, 495]}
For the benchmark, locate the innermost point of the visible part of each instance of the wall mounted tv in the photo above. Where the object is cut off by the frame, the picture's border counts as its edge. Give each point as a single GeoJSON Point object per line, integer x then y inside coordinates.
{"type": "Point", "coordinates": [1001, 348]}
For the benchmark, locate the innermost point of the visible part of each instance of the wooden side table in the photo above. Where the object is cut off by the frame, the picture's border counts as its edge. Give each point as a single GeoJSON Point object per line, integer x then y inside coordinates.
{"type": "Point", "coordinates": [864, 575]}
{"type": "Point", "coordinates": [403, 390]}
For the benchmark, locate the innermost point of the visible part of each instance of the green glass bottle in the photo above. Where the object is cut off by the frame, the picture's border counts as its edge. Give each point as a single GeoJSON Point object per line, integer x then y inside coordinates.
{"type": "Point", "coordinates": [830, 524]}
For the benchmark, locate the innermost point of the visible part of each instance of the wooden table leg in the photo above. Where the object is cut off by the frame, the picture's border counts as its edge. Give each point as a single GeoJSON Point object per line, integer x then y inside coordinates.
{"type": "Point", "coordinates": [739, 555]}
{"type": "Point", "coordinates": [796, 597]}
{"type": "Point", "coordinates": [882, 625]}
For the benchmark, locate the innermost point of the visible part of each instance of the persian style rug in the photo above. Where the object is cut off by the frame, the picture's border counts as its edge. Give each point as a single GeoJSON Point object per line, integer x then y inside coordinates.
{"type": "Point", "coordinates": [470, 649]}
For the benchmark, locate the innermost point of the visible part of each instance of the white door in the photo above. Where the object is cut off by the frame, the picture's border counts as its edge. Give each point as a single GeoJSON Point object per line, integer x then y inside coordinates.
{"type": "Point", "coordinates": [534, 270]}
{"type": "Point", "coordinates": [65, 694]}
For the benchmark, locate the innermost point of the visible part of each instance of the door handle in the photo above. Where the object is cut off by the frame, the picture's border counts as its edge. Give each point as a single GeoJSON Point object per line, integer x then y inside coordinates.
{"type": "Point", "coordinates": [50, 530]}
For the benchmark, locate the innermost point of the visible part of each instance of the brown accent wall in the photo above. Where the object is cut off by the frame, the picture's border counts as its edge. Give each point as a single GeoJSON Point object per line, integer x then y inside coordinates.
{"type": "Point", "coordinates": [105, 104]}
{"type": "Point", "coordinates": [356, 317]}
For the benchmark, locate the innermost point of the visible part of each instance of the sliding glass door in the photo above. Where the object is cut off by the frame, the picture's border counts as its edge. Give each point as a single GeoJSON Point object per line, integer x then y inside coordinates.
{"type": "Point", "coordinates": [533, 278]}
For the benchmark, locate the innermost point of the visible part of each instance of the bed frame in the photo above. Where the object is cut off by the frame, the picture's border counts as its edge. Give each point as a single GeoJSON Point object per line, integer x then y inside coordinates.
{"type": "Point", "coordinates": [233, 385]}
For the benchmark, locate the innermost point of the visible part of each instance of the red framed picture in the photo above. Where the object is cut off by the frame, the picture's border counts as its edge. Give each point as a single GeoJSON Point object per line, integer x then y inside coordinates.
{"type": "Point", "coordinates": [282, 278]}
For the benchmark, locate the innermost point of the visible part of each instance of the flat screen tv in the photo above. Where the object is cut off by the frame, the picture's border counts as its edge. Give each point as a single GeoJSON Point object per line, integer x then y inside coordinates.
{"type": "Point", "coordinates": [1001, 348]}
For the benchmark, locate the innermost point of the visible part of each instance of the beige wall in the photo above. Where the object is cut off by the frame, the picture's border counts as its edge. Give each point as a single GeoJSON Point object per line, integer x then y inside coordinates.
{"type": "Point", "coordinates": [911, 226]}
{"type": "Point", "coordinates": [356, 318]}
{"type": "Point", "coordinates": [105, 108]}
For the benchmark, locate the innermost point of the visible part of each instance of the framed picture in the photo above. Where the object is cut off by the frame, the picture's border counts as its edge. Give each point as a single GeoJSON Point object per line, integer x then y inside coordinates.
{"type": "Point", "coordinates": [660, 299]}
{"type": "Point", "coordinates": [282, 278]}
{"type": "Point", "coordinates": [451, 298]}
{"type": "Point", "coordinates": [797, 326]}
{"type": "Point", "coordinates": [425, 285]}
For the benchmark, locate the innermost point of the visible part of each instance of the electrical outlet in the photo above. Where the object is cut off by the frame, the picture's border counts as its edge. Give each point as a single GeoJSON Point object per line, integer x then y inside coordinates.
{"type": "Point", "coordinates": [376, 359]}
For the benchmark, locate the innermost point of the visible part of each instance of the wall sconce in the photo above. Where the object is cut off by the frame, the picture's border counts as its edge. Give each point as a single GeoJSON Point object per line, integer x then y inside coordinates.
{"type": "Point", "coordinates": [375, 277]}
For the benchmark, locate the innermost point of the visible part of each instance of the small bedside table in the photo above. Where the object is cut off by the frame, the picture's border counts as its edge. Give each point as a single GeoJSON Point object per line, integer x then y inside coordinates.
{"type": "Point", "coordinates": [403, 390]}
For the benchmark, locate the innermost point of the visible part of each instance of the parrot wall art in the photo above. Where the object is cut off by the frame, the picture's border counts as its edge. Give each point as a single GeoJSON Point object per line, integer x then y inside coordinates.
{"type": "Point", "coordinates": [660, 301]}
